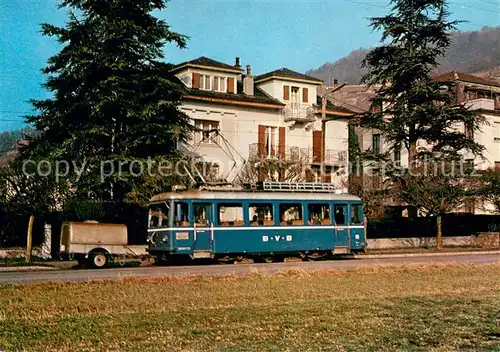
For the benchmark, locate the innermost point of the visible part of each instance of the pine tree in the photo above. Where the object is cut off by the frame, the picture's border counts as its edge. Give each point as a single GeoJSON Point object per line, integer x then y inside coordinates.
{"type": "Point", "coordinates": [415, 35]}
{"type": "Point", "coordinates": [417, 108]}
{"type": "Point", "coordinates": [114, 100]}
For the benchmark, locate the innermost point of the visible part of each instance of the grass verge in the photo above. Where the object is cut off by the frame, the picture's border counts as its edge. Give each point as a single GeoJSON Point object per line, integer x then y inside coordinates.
{"type": "Point", "coordinates": [418, 308]}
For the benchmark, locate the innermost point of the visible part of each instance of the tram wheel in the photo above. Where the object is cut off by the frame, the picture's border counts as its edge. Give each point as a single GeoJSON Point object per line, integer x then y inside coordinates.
{"type": "Point", "coordinates": [267, 259]}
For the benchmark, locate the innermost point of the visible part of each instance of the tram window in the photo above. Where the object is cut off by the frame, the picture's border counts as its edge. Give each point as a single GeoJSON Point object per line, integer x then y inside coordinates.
{"type": "Point", "coordinates": [158, 215]}
{"type": "Point", "coordinates": [340, 214]}
{"type": "Point", "coordinates": [230, 214]}
{"type": "Point", "coordinates": [291, 214]}
{"type": "Point", "coordinates": [356, 214]}
{"type": "Point", "coordinates": [181, 214]}
{"type": "Point", "coordinates": [201, 212]}
{"type": "Point", "coordinates": [260, 214]}
{"type": "Point", "coordinates": [319, 214]}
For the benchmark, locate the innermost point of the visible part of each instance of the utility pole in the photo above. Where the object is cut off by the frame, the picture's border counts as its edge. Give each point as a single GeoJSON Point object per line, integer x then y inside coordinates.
{"type": "Point", "coordinates": [324, 120]}
{"type": "Point", "coordinates": [323, 132]}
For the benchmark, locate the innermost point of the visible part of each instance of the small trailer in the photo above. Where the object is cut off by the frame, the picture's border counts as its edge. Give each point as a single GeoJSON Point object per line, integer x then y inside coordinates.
{"type": "Point", "coordinates": [97, 244]}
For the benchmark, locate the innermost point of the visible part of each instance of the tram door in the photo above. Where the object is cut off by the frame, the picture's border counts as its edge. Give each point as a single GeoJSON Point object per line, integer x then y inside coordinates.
{"type": "Point", "coordinates": [341, 232]}
{"type": "Point", "coordinates": [203, 230]}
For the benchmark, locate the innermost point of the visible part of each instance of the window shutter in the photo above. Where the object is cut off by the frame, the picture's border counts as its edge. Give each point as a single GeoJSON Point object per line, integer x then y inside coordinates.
{"type": "Point", "coordinates": [196, 80]}
{"type": "Point", "coordinates": [281, 146]}
{"type": "Point", "coordinates": [230, 85]}
{"type": "Point", "coordinates": [305, 95]}
{"type": "Point", "coordinates": [286, 92]}
{"type": "Point", "coordinates": [262, 140]}
{"type": "Point", "coordinates": [317, 146]}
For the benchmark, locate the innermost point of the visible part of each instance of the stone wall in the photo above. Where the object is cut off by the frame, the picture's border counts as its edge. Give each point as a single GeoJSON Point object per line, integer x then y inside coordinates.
{"type": "Point", "coordinates": [484, 240]}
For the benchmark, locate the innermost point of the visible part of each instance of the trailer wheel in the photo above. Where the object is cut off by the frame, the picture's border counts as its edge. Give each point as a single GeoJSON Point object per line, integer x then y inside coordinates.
{"type": "Point", "coordinates": [99, 259]}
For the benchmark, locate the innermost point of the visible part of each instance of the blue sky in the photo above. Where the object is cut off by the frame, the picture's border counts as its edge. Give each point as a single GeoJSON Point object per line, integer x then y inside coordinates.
{"type": "Point", "coordinates": [267, 34]}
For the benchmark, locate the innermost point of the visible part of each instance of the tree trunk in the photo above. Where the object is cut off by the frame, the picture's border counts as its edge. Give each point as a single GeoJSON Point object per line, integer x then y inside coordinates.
{"type": "Point", "coordinates": [30, 239]}
{"type": "Point", "coordinates": [412, 153]}
{"type": "Point", "coordinates": [439, 223]}
{"type": "Point", "coordinates": [439, 235]}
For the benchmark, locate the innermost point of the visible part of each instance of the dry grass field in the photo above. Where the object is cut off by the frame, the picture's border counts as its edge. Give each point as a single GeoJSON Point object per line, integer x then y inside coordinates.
{"type": "Point", "coordinates": [407, 308]}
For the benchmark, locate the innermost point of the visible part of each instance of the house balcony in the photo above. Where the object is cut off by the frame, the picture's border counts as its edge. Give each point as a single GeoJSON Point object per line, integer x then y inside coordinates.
{"type": "Point", "coordinates": [292, 154]}
{"type": "Point", "coordinates": [296, 113]}
{"type": "Point", "coordinates": [483, 103]}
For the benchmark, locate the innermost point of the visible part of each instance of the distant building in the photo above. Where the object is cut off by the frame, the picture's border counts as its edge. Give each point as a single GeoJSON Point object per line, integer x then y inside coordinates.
{"type": "Point", "coordinates": [475, 92]}
{"type": "Point", "coordinates": [273, 116]}
{"type": "Point", "coordinates": [484, 96]}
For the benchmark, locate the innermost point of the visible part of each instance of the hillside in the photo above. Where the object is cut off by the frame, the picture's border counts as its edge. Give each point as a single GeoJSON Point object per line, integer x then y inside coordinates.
{"type": "Point", "coordinates": [9, 140]}
{"type": "Point", "coordinates": [471, 52]}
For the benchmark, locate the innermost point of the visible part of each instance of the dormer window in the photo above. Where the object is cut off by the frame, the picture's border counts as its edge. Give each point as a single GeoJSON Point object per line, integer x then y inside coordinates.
{"type": "Point", "coordinates": [219, 84]}
{"type": "Point", "coordinates": [205, 82]}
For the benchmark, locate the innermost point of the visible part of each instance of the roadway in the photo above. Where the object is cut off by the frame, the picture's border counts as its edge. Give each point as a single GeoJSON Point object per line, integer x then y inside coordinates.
{"type": "Point", "coordinates": [85, 275]}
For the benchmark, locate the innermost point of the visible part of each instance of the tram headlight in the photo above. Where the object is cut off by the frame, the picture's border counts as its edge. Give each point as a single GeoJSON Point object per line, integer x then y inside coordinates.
{"type": "Point", "coordinates": [164, 239]}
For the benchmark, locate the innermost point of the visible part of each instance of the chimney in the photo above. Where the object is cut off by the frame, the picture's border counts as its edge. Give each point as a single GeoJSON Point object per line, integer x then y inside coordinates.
{"type": "Point", "coordinates": [248, 86]}
{"type": "Point", "coordinates": [335, 83]}
{"type": "Point", "coordinates": [237, 64]}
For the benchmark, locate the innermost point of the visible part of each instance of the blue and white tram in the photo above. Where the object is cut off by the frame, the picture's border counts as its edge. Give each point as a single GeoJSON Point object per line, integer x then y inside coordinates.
{"type": "Point", "coordinates": [267, 223]}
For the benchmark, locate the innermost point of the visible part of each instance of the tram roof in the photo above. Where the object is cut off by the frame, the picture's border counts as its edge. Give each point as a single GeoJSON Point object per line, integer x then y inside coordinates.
{"type": "Point", "coordinates": [247, 195]}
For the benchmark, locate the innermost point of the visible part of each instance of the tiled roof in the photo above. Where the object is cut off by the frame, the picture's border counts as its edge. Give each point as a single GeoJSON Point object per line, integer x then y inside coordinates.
{"type": "Point", "coordinates": [258, 97]}
{"type": "Point", "coordinates": [354, 97]}
{"type": "Point", "coordinates": [333, 107]}
{"type": "Point", "coordinates": [205, 61]}
{"type": "Point", "coordinates": [465, 77]}
{"type": "Point", "coordinates": [286, 73]}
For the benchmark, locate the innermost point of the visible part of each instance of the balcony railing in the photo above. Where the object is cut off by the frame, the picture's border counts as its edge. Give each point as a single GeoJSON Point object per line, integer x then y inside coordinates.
{"type": "Point", "coordinates": [296, 154]}
{"type": "Point", "coordinates": [483, 103]}
{"type": "Point", "coordinates": [295, 112]}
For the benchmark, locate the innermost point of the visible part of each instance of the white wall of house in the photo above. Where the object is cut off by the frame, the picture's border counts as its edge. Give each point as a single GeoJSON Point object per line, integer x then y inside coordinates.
{"type": "Point", "coordinates": [488, 135]}
{"type": "Point", "coordinates": [186, 76]}
{"type": "Point", "coordinates": [274, 87]}
{"type": "Point", "coordinates": [240, 124]}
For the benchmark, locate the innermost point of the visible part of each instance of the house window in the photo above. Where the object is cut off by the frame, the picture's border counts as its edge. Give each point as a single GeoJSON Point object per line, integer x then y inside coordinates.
{"type": "Point", "coordinates": [205, 82]}
{"type": "Point", "coordinates": [397, 155]}
{"type": "Point", "coordinates": [295, 100]}
{"type": "Point", "coordinates": [376, 144]}
{"type": "Point", "coordinates": [206, 132]}
{"type": "Point", "coordinates": [219, 84]}
{"type": "Point", "coordinates": [271, 141]}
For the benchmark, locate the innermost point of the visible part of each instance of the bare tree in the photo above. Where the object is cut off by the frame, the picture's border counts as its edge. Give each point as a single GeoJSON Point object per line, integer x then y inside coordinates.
{"type": "Point", "coordinates": [295, 167]}
{"type": "Point", "coordinates": [435, 187]}
{"type": "Point", "coordinates": [488, 190]}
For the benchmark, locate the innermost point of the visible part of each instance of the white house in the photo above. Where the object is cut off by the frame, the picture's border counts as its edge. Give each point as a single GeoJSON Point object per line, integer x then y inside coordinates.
{"type": "Point", "coordinates": [274, 116]}
{"type": "Point", "coordinates": [475, 92]}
